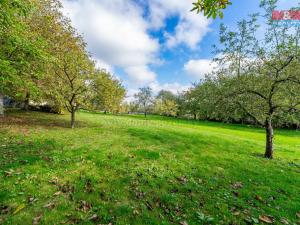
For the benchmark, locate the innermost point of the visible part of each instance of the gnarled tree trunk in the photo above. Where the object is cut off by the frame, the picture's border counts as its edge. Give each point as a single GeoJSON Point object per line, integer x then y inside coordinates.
{"type": "Point", "coordinates": [73, 118]}
{"type": "Point", "coordinates": [269, 139]}
{"type": "Point", "coordinates": [1, 104]}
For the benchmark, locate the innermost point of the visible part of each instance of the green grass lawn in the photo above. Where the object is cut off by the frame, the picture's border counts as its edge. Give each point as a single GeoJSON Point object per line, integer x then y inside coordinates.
{"type": "Point", "coordinates": [131, 170]}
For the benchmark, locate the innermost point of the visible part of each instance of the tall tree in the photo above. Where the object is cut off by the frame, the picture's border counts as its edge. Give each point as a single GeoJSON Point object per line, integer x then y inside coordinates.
{"type": "Point", "coordinates": [144, 99]}
{"type": "Point", "coordinates": [73, 74]}
{"type": "Point", "coordinates": [270, 86]}
{"type": "Point", "coordinates": [19, 48]}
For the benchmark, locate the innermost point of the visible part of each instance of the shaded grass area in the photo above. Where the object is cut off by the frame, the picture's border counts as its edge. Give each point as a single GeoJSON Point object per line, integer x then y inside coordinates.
{"type": "Point", "coordinates": [132, 170]}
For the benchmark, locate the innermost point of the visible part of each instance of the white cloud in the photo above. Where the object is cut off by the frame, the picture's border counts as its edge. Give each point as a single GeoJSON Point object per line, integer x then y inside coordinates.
{"type": "Point", "coordinates": [173, 87]}
{"type": "Point", "coordinates": [199, 68]}
{"type": "Point", "coordinates": [100, 64]}
{"type": "Point", "coordinates": [191, 27]}
{"type": "Point", "coordinates": [116, 33]}
{"type": "Point", "coordinates": [140, 74]}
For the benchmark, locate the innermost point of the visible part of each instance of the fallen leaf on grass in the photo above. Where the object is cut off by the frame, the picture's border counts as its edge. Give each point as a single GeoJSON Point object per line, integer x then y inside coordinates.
{"type": "Point", "coordinates": [54, 181]}
{"type": "Point", "coordinates": [84, 206]}
{"type": "Point", "coordinates": [19, 208]}
{"type": "Point", "coordinates": [183, 223]}
{"type": "Point", "coordinates": [236, 213]}
{"type": "Point", "coordinates": [136, 212]}
{"type": "Point", "coordinates": [94, 217]}
{"type": "Point", "coordinates": [257, 197]}
{"type": "Point", "coordinates": [237, 185]}
{"type": "Point", "coordinates": [50, 205]}
{"type": "Point", "coordinates": [266, 219]}
{"type": "Point", "coordinates": [298, 214]}
{"type": "Point", "coordinates": [31, 200]}
{"type": "Point", "coordinates": [284, 221]}
{"type": "Point", "coordinates": [182, 180]}
{"type": "Point", "coordinates": [8, 173]}
{"type": "Point", "coordinates": [140, 195]}
{"type": "Point", "coordinates": [57, 193]}
{"type": "Point", "coordinates": [36, 220]}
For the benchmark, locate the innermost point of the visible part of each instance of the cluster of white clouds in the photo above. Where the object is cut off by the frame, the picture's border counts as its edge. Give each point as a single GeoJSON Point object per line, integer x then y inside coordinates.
{"type": "Point", "coordinates": [117, 33]}
{"type": "Point", "coordinates": [191, 27]}
{"type": "Point", "coordinates": [200, 67]}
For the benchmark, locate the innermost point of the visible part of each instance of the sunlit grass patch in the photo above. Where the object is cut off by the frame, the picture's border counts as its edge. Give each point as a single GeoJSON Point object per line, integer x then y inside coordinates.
{"type": "Point", "coordinates": [132, 170]}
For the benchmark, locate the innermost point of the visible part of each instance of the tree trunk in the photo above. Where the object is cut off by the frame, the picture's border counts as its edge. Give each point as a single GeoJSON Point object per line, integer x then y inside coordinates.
{"type": "Point", "coordinates": [269, 139]}
{"type": "Point", "coordinates": [73, 119]}
{"type": "Point", "coordinates": [1, 104]}
{"type": "Point", "coordinates": [195, 116]}
{"type": "Point", "coordinates": [26, 102]}
{"type": "Point", "coordinates": [145, 113]}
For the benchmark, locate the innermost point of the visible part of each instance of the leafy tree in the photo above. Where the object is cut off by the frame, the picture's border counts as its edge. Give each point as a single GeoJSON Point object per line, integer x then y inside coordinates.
{"type": "Point", "coordinates": [20, 49]}
{"type": "Point", "coordinates": [67, 82]}
{"type": "Point", "coordinates": [144, 99]}
{"type": "Point", "coordinates": [211, 8]}
{"type": "Point", "coordinates": [165, 103]}
{"type": "Point", "coordinates": [133, 107]}
{"type": "Point", "coordinates": [237, 47]}
{"type": "Point", "coordinates": [192, 103]}
{"type": "Point", "coordinates": [73, 73]}
{"type": "Point", "coordinates": [270, 86]}
{"type": "Point", "coordinates": [108, 92]}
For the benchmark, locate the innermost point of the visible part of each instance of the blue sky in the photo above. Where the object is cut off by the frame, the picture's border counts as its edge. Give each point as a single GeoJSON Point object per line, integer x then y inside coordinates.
{"type": "Point", "coordinates": [159, 43]}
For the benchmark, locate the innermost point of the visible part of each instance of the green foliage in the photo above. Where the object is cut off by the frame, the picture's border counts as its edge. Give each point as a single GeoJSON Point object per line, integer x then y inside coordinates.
{"type": "Point", "coordinates": [144, 99]}
{"type": "Point", "coordinates": [44, 60]}
{"type": "Point", "coordinates": [20, 48]}
{"type": "Point", "coordinates": [211, 8]}
{"type": "Point", "coordinates": [165, 104]}
{"type": "Point", "coordinates": [257, 80]}
{"type": "Point", "coordinates": [108, 92]}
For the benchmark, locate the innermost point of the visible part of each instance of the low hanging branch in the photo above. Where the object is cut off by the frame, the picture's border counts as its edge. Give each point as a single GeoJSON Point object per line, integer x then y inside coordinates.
{"type": "Point", "coordinates": [211, 8]}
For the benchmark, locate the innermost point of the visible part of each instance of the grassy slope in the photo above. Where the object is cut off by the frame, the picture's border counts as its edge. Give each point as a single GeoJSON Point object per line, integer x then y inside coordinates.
{"type": "Point", "coordinates": [131, 170]}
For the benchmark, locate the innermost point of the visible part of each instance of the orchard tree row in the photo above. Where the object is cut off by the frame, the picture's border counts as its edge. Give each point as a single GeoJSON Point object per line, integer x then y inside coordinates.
{"type": "Point", "coordinates": [256, 79]}
{"type": "Point", "coordinates": [44, 60]}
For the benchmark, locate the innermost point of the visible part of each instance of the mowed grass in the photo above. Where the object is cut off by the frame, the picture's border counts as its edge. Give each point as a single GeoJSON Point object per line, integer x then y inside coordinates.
{"type": "Point", "coordinates": [132, 170]}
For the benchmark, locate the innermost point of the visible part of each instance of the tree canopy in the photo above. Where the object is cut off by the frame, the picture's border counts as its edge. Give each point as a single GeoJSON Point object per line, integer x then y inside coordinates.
{"type": "Point", "coordinates": [44, 60]}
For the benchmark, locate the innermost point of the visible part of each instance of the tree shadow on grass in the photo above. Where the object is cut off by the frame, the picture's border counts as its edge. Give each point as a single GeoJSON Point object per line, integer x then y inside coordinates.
{"type": "Point", "coordinates": [37, 120]}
